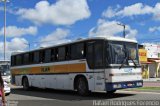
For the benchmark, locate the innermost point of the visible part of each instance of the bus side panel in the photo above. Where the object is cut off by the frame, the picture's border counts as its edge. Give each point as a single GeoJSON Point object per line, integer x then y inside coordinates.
{"type": "Point", "coordinates": [62, 81]}
{"type": "Point", "coordinates": [51, 81]}
{"type": "Point", "coordinates": [57, 81]}
{"type": "Point", "coordinates": [18, 80]}
{"type": "Point", "coordinates": [90, 78]}
{"type": "Point", "coordinates": [99, 80]}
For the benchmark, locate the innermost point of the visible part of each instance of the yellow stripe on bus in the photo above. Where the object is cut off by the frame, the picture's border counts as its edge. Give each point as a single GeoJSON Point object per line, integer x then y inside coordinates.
{"type": "Point", "coordinates": [65, 68]}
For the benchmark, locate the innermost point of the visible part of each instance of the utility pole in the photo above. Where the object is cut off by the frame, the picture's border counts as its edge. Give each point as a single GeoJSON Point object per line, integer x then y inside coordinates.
{"type": "Point", "coordinates": [5, 1]}
{"type": "Point", "coordinates": [124, 28]}
{"type": "Point", "coordinates": [29, 45]}
{"type": "Point", "coordinates": [4, 29]}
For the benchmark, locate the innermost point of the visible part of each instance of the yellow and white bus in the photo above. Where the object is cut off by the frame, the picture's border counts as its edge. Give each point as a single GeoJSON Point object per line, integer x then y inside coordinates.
{"type": "Point", "coordinates": [92, 64]}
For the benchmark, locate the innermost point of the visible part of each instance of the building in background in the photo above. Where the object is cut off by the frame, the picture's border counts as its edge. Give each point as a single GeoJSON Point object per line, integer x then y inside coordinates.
{"type": "Point", "coordinates": [144, 62]}
{"type": "Point", "coordinates": [153, 56]}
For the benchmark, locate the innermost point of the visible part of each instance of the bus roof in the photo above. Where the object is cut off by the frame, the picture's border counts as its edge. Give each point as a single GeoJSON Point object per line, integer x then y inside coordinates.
{"type": "Point", "coordinates": [119, 39]}
{"type": "Point", "coordinates": [81, 39]}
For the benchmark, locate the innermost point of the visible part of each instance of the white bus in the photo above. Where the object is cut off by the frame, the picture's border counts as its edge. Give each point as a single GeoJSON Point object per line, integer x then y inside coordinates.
{"type": "Point", "coordinates": [92, 64]}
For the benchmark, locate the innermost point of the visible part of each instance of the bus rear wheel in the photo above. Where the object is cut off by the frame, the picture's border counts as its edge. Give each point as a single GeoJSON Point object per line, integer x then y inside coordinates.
{"type": "Point", "coordinates": [25, 84]}
{"type": "Point", "coordinates": [111, 92]}
{"type": "Point", "coordinates": [82, 86]}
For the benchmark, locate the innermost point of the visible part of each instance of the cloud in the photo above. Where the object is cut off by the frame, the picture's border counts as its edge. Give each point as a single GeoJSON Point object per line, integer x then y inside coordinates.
{"type": "Point", "coordinates": [13, 31]}
{"type": "Point", "coordinates": [56, 37]}
{"type": "Point", "coordinates": [157, 12]}
{"type": "Point", "coordinates": [153, 29]}
{"type": "Point", "coordinates": [110, 28]}
{"type": "Point", "coordinates": [16, 44]}
{"type": "Point", "coordinates": [133, 10]}
{"type": "Point", "coordinates": [63, 12]}
{"type": "Point", "coordinates": [9, 9]}
{"type": "Point", "coordinates": [110, 12]}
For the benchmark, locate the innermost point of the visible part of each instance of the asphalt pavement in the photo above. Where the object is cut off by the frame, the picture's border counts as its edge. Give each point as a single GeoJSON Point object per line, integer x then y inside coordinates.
{"type": "Point", "coordinates": [48, 97]}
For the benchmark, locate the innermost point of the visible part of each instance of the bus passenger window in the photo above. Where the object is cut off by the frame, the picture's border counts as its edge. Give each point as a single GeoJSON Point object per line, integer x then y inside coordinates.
{"type": "Point", "coordinates": [90, 56]}
{"type": "Point", "coordinates": [47, 55]}
{"type": "Point", "coordinates": [67, 57]}
{"type": "Point", "coordinates": [77, 51]}
{"type": "Point", "coordinates": [98, 54]}
{"type": "Point", "coordinates": [61, 53]}
{"type": "Point", "coordinates": [26, 59]}
{"type": "Point", "coordinates": [41, 56]}
{"type": "Point", "coordinates": [36, 57]}
{"type": "Point", "coordinates": [53, 56]}
{"type": "Point", "coordinates": [18, 60]}
{"type": "Point", "coordinates": [31, 57]}
{"type": "Point", "coordinates": [12, 60]}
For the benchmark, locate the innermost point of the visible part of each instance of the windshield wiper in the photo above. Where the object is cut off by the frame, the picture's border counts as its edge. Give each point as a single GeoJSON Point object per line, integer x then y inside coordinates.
{"type": "Point", "coordinates": [124, 59]}
{"type": "Point", "coordinates": [135, 65]}
{"type": "Point", "coordinates": [123, 62]}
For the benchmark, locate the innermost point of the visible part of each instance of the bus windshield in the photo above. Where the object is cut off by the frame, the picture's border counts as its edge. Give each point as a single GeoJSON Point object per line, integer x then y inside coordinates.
{"type": "Point", "coordinates": [119, 53]}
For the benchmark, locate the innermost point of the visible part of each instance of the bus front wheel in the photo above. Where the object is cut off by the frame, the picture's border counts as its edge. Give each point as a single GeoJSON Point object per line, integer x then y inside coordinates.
{"type": "Point", "coordinates": [82, 86]}
{"type": "Point", "coordinates": [25, 83]}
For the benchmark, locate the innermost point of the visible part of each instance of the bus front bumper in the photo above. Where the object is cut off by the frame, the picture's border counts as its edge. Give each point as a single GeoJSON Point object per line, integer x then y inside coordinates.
{"type": "Point", "coordinates": [110, 86]}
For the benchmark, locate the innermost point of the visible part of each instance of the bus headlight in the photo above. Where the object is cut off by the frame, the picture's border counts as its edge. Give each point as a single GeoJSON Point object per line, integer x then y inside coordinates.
{"type": "Point", "coordinates": [117, 86]}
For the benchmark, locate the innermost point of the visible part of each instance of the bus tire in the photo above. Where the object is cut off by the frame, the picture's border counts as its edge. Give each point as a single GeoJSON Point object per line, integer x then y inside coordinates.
{"type": "Point", "coordinates": [25, 83]}
{"type": "Point", "coordinates": [82, 86]}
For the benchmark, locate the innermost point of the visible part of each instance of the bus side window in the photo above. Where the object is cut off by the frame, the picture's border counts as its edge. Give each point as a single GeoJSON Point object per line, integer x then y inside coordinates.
{"type": "Point", "coordinates": [67, 53]}
{"type": "Point", "coordinates": [90, 54]}
{"type": "Point", "coordinates": [31, 58]}
{"type": "Point", "coordinates": [53, 58]}
{"type": "Point", "coordinates": [61, 53]}
{"type": "Point", "coordinates": [13, 61]}
{"type": "Point", "coordinates": [36, 57]}
{"type": "Point", "coordinates": [41, 56]}
{"type": "Point", "coordinates": [98, 55]}
{"type": "Point", "coordinates": [47, 55]}
{"type": "Point", "coordinates": [18, 59]}
{"type": "Point", "coordinates": [26, 59]}
{"type": "Point", "coordinates": [77, 51]}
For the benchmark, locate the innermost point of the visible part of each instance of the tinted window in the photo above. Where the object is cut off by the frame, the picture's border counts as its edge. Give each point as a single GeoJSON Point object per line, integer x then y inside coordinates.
{"type": "Point", "coordinates": [53, 55]}
{"type": "Point", "coordinates": [90, 58]}
{"type": "Point", "coordinates": [26, 59]}
{"type": "Point", "coordinates": [41, 56]}
{"type": "Point", "coordinates": [13, 61]}
{"type": "Point", "coordinates": [98, 54]}
{"type": "Point", "coordinates": [47, 55]}
{"type": "Point", "coordinates": [77, 51]}
{"type": "Point", "coordinates": [31, 57]}
{"type": "Point", "coordinates": [61, 53]}
{"type": "Point", "coordinates": [18, 60]}
{"type": "Point", "coordinates": [67, 52]}
{"type": "Point", "coordinates": [36, 57]}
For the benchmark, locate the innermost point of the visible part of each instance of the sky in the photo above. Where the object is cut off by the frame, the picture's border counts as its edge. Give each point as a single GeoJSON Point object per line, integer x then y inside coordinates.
{"type": "Point", "coordinates": [41, 23]}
